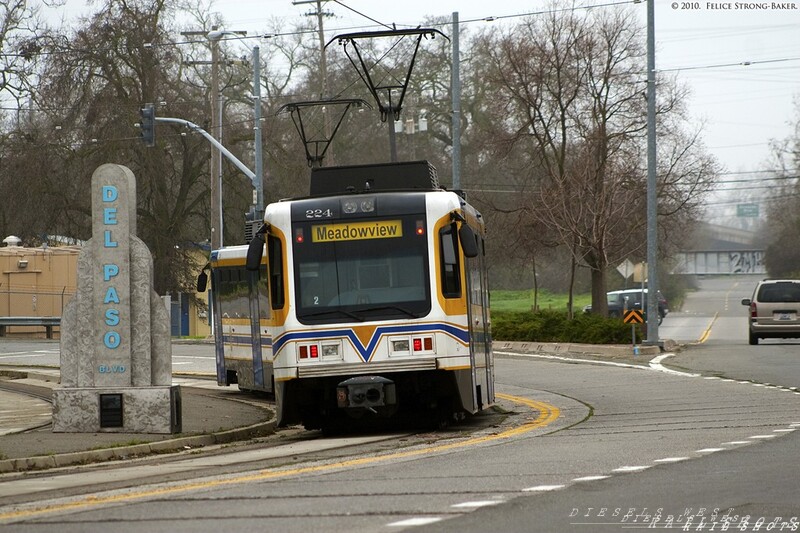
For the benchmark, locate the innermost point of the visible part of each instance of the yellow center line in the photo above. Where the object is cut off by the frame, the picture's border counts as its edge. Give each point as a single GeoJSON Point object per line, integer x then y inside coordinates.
{"type": "Point", "coordinates": [548, 414]}
{"type": "Point", "coordinates": [704, 337]}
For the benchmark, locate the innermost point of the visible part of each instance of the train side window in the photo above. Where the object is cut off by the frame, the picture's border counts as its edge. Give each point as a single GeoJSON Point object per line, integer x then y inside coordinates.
{"type": "Point", "coordinates": [262, 289]}
{"type": "Point", "coordinates": [275, 254]}
{"type": "Point", "coordinates": [448, 253]}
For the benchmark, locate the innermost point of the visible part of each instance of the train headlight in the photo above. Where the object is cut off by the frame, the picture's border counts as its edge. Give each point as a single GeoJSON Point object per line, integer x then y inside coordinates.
{"type": "Point", "coordinates": [330, 350]}
{"type": "Point", "coordinates": [368, 205]}
{"type": "Point", "coordinates": [358, 205]}
{"type": "Point", "coordinates": [400, 345]}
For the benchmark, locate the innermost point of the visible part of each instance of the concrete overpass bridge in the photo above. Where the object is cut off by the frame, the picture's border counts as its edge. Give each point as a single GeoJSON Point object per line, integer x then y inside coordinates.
{"type": "Point", "coordinates": [721, 250]}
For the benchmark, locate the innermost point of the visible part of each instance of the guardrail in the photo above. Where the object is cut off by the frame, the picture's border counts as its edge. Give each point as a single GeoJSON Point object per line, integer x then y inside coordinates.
{"type": "Point", "coordinates": [48, 322]}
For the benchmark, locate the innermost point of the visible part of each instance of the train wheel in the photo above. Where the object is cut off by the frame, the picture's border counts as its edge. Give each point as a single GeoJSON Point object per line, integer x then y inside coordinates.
{"type": "Point", "coordinates": [443, 414]}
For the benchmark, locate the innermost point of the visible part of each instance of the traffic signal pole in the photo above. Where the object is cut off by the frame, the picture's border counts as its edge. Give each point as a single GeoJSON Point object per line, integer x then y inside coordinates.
{"type": "Point", "coordinates": [218, 145]}
{"type": "Point", "coordinates": [147, 126]}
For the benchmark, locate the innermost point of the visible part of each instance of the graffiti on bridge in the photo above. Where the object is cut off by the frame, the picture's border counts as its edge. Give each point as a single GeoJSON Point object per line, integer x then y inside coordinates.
{"type": "Point", "coordinates": [746, 262]}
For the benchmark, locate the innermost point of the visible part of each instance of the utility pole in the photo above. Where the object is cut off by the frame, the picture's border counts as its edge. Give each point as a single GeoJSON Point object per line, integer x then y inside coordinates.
{"type": "Point", "coordinates": [259, 178]}
{"type": "Point", "coordinates": [323, 62]}
{"type": "Point", "coordinates": [214, 36]}
{"type": "Point", "coordinates": [216, 186]}
{"type": "Point", "coordinates": [652, 185]}
{"type": "Point", "coordinates": [456, 96]}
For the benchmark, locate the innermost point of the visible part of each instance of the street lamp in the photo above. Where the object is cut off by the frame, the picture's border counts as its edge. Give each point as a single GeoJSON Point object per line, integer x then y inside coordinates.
{"type": "Point", "coordinates": [217, 108]}
{"type": "Point", "coordinates": [215, 36]}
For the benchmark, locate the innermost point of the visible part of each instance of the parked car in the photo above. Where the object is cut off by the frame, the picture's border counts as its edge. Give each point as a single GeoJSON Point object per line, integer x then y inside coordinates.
{"type": "Point", "coordinates": [774, 309]}
{"type": "Point", "coordinates": [627, 299]}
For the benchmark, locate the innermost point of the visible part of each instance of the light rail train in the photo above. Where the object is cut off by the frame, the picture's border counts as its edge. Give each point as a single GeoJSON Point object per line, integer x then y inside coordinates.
{"type": "Point", "coordinates": [368, 298]}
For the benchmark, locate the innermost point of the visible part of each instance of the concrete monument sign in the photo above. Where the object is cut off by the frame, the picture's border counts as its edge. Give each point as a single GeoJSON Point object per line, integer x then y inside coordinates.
{"type": "Point", "coordinates": [116, 356]}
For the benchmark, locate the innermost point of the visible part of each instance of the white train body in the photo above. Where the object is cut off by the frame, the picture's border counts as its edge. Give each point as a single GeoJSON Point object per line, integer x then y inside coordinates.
{"type": "Point", "coordinates": [366, 302]}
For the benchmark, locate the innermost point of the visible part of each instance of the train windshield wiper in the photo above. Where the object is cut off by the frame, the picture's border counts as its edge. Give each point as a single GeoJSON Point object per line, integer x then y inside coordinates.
{"type": "Point", "coordinates": [333, 311]}
{"type": "Point", "coordinates": [384, 307]}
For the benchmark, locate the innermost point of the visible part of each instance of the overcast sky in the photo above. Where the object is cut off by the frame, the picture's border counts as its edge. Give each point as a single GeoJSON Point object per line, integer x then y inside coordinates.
{"type": "Point", "coordinates": [744, 107]}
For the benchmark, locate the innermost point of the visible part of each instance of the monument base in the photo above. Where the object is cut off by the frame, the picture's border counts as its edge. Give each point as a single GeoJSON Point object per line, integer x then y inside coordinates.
{"type": "Point", "coordinates": [117, 410]}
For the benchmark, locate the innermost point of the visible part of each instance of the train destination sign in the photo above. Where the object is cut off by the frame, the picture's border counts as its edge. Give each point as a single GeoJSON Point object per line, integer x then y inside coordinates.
{"type": "Point", "coordinates": [356, 231]}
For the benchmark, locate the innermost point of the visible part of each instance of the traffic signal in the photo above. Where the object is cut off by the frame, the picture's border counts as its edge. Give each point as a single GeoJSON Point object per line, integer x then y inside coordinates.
{"type": "Point", "coordinates": [147, 123]}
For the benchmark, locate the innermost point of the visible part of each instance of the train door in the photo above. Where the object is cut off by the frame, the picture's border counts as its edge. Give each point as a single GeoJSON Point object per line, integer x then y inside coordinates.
{"type": "Point", "coordinates": [241, 303]}
{"type": "Point", "coordinates": [479, 335]}
{"type": "Point", "coordinates": [216, 327]}
{"type": "Point", "coordinates": [255, 327]}
{"type": "Point", "coordinates": [486, 347]}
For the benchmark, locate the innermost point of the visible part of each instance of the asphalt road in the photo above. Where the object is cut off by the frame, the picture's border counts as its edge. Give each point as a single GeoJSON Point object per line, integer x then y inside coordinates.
{"type": "Point", "coordinates": [580, 447]}
{"type": "Point", "coordinates": [186, 356]}
{"type": "Point", "coordinates": [726, 352]}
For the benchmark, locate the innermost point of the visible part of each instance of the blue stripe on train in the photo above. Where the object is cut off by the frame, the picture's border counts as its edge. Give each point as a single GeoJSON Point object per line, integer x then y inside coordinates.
{"type": "Point", "coordinates": [366, 351]}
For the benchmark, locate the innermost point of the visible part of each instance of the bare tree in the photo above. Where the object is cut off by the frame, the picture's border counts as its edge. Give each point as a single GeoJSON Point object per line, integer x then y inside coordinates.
{"type": "Point", "coordinates": [782, 253]}
{"type": "Point", "coordinates": [572, 87]}
{"type": "Point", "coordinates": [552, 113]}
{"type": "Point", "coordinates": [19, 31]}
{"type": "Point", "coordinates": [94, 79]}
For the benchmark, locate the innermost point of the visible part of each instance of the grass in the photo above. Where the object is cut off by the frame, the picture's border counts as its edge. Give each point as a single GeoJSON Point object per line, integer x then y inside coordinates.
{"type": "Point", "coordinates": [512, 319]}
{"type": "Point", "coordinates": [132, 442]}
{"type": "Point", "coordinates": [523, 300]}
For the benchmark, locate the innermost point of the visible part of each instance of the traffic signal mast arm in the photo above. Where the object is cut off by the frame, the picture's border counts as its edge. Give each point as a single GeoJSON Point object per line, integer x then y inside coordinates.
{"type": "Point", "coordinates": [232, 158]}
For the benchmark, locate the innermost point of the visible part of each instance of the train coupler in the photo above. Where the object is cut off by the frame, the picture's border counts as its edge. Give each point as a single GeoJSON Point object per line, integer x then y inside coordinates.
{"type": "Point", "coordinates": [367, 392]}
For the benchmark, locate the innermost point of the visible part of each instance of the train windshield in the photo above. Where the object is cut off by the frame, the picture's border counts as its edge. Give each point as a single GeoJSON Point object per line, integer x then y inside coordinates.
{"type": "Point", "coordinates": [361, 270]}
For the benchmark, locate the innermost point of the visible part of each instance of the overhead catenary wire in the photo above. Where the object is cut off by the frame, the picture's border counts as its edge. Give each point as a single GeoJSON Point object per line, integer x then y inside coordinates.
{"type": "Point", "coordinates": [271, 35]}
{"type": "Point", "coordinates": [484, 19]}
{"type": "Point", "coordinates": [473, 20]}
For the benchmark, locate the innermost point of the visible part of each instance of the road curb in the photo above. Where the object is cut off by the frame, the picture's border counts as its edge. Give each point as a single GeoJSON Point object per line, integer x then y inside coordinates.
{"type": "Point", "coordinates": [23, 464]}
{"type": "Point", "coordinates": [577, 349]}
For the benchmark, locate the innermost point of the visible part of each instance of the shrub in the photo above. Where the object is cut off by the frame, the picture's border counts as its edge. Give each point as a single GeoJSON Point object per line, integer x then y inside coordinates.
{"type": "Point", "coordinates": [555, 326]}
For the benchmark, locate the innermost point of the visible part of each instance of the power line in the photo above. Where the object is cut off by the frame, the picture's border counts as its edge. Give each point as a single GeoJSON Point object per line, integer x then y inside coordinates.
{"type": "Point", "coordinates": [751, 180]}
{"type": "Point", "coordinates": [361, 14]}
{"type": "Point", "coordinates": [734, 64]}
{"type": "Point", "coordinates": [265, 36]}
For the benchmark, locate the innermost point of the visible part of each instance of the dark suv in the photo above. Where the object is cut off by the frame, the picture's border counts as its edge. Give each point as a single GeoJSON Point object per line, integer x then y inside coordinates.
{"type": "Point", "coordinates": [626, 299]}
{"type": "Point", "coordinates": [774, 310]}
{"type": "Point", "coordinates": [635, 299]}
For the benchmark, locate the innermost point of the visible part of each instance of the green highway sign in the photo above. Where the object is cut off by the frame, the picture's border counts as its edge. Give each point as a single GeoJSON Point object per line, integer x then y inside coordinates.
{"type": "Point", "coordinates": [747, 210]}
